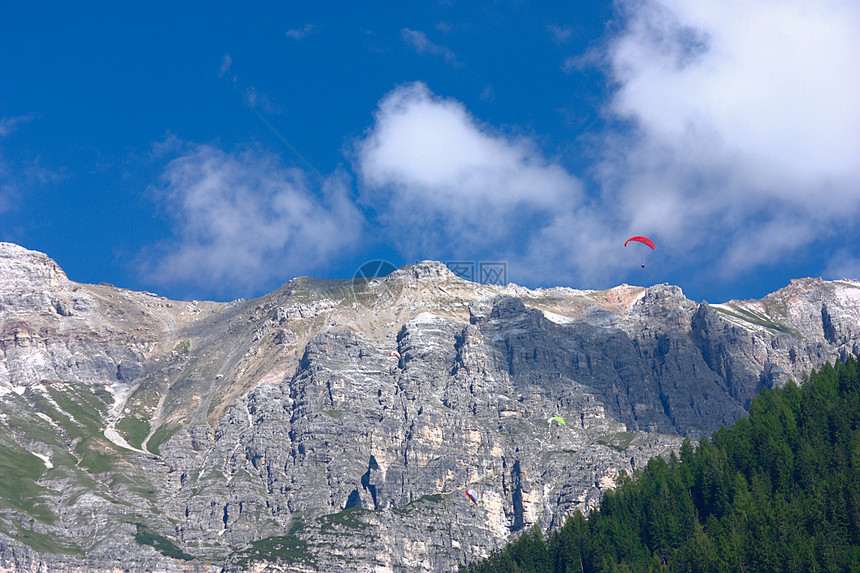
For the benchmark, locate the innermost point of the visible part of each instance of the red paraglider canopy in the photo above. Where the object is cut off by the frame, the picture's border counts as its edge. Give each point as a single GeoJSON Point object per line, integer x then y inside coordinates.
{"type": "Point", "coordinates": [644, 240]}
{"type": "Point", "coordinates": [472, 495]}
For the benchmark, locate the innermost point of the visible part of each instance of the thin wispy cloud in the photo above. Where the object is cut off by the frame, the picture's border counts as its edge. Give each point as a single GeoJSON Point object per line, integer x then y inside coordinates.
{"type": "Point", "coordinates": [242, 219]}
{"type": "Point", "coordinates": [260, 101]}
{"type": "Point", "coordinates": [18, 177]}
{"type": "Point", "coordinates": [423, 45]}
{"type": "Point", "coordinates": [10, 124]}
{"type": "Point", "coordinates": [561, 34]}
{"type": "Point", "coordinates": [9, 190]}
{"type": "Point", "coordinates": [303, 32]}
{"type": "Point", "coordinates": [224, 70]}
{"type": "Point", "coordinates": [225, 65]}
{"type": "Point", "coordinates": [9, 187]}
{"type": "Point", "coordinates": [845, 263]}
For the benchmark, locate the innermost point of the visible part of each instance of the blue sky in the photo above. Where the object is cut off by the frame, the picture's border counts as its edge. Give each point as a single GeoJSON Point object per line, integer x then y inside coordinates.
{"type": "Point", "coordinates": [211, 151]}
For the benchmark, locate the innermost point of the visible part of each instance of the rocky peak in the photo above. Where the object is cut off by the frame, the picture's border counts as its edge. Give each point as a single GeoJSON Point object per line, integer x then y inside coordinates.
{"type": "Point", "coordinates": [23, 268]}
{"type": "Point", "coordinates": [425, 271]}
{"type": "Point", "coordinates": [29, 278]}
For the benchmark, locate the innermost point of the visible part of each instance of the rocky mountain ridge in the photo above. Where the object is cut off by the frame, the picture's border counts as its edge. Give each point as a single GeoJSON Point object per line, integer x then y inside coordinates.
{"type": "Point", "coordinates": [144, 434]}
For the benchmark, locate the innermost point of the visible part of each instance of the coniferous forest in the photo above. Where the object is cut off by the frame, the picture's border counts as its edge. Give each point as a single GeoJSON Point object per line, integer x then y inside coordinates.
{"type": "Point", "coordinates": [778, 491]}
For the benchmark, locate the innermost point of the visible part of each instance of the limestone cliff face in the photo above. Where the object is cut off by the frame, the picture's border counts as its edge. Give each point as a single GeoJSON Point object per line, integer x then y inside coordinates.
{"type": "Point", "coordinates": [142, 434]}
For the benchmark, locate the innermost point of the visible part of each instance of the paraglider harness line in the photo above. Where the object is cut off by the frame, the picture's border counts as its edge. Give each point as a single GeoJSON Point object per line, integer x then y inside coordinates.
{"type": "Point", "coordinates": [645, 241]}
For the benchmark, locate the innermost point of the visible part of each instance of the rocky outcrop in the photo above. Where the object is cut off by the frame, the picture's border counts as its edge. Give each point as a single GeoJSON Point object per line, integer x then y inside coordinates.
{"type": "Point", "coordinates": [153, 435]}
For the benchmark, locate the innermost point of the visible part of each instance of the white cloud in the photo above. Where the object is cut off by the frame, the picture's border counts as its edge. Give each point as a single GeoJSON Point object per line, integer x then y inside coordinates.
{"type": "Point", "coordinates": [9, 187]}
{"type": "Point", "coordinates": [243, 219]}
{"type": "Point", "coordinates": [580, 247]}
{"type": "Point", "coordinates": [735, 141]}
{"type": "Point", "coordinates": [845, 264]}
{"type": "Point", "coordinates": [259, 100]}
{"type": "Point", "coordinates": [423, 45]}
{"type": "Point", "coordinates": [561, 34]}
{"type": "Point", "coordinates": [745, 123]}
{"type": "Point", "coordinates": [225, 65]}
{"type": "Point", "coordinates": [444, 184]}
{"type": "Point", "coordinates": [10, 124]}
{"type": "Point", "coordinates": [17, 177]}
{"type": "Point", "coordinates": [301, 33]}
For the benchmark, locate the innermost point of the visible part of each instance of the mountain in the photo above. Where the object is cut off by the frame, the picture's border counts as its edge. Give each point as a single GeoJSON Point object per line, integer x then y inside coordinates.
{"type": "Point", "coordinates": [779, 490]}
{"type": "Point", "coordinates": [144, 434]}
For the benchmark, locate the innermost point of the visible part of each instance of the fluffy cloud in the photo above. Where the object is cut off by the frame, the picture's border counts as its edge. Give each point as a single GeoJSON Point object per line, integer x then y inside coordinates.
{"type": "Point", "coordinates": [743, 122]}
{"type": "Point", "coordinates": [243, 220]}
{"type": "Point", "coordinates": [436, 176]}
{"type": "Point", "coordinates": [727, 119]}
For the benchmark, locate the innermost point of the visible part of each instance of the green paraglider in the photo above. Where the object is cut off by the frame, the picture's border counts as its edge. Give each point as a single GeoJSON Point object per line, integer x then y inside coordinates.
{"type": "Point", "coordinates": [556, 419]}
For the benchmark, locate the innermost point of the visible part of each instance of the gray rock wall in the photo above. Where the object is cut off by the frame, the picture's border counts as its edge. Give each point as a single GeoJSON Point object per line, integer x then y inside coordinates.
{"type": "Point", "coordinates": [144, 434]}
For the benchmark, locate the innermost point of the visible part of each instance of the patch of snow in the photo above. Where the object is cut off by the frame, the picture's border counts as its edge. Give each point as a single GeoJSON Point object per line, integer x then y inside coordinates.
{"type": "Point", "coordinates": [120, 393]}
{"type": "Point", "coordinates": [517, 290]}
{"type": "Point", "coordinates": [114, 436]}
{"type": "Point", "coordinates": [730, 313]}
{"type": "Point", "coordinates": [849, 293]}
{"type": "Point", "coordinates": [250, 418]}
{"type": "Point", "coordinates": [41, 388]}
{"type": "Point", "coordinates": [426, 317]}
{"type": "Point", "coordinates": [44, 458]}
{"type": "Point", "coordinates": [556, 318]}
